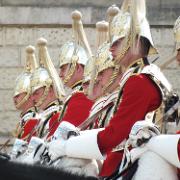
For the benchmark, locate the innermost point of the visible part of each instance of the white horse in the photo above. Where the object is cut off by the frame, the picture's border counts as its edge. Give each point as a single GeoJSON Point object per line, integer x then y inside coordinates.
{"type": "Point", "coordinates": [36, 153]}
{"type": "Point", "coordinates": [156, 159]}
{"type": "Point", "coordinates": [152, 164]}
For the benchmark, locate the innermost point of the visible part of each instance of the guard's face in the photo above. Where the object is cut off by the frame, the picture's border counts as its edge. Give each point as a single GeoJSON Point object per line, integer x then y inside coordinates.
{"type": "Point", "coordinates": [18, 98]}
{"type": "Point", "coordinates": [85, 87]}
{"type": "Point", "coordinates": [104, 76]}
{"type": "Point", "coordinates": [38, 94]}
{"type": "Point", "coordinates": [96, 92]}
{"type": "Point", "coordinates": [178, 56]}
{"type": "Point", "coordinates": [114, 49]}
{"type": "Point", "coordinates": [101, 81]}
{"type": "Point", "coordinates": [124, 54]}
{"type": "Point", "coordinates": [63, 71]}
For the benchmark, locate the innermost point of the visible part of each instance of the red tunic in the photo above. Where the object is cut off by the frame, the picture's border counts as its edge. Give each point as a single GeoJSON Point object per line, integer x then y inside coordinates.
{"type": "Point", "coordinates": [53, 123]}
{"type": "Point", "coordinates": [29, 129]}
{"type": "Point", "coordinates": [140, 96]}
{"type": "Point", "coordinates": [78, 109]}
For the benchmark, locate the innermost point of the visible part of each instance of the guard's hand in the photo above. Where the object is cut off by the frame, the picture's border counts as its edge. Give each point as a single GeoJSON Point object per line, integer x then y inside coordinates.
{"type": "Point", "coordinates": [141, 132]}
{"type": "Point", "coordinates": [19, 147]}
{"type": "Point", "coordinates": [39, 152]}
{"type": "Point", "coordinates": [32, 154]}
{"type": "Point", "coordinates": [56, 149]}
{"type": "Point", "coordinates": [62, 132]}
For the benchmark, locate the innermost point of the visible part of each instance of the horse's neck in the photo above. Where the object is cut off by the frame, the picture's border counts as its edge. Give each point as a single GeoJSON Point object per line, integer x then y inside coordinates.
{"type": "Point", "coordinates": [19, 171]}
{"type": "Point", "coordinates": [152, 166]}
{"type": "Point", "coordinates": [85, 167]}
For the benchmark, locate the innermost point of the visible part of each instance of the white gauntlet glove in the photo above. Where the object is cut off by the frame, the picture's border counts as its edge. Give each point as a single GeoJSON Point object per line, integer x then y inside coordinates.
{"type": "Point", "coordinates": [33, 152]}
{"type": "Point", "coordinates": [63, 130]}
{"type": "Point", "coordinates": [19, 147]}
{"type": "Point", "coordinates": [141, 132]}
{"type": "Point", "coordinates": [56, 148]}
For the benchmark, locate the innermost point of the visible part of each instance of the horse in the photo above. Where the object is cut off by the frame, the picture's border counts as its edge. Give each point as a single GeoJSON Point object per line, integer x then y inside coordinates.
{"type": "Point", "coordinates": [145, 164]}
{"type": "Point", "coordinates": [148, 166]}
{"type": "Point", "coordinates": [21, 171]}
{"type": "Point", "coordinates": [144, 161]}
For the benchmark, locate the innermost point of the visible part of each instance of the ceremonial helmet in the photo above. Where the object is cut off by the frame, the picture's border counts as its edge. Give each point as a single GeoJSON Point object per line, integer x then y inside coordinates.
{"type": "Point", "coordinates": [129, 23]}
{"type": "Point", "coordinates": [103, 57]}
{"type": "Point", "coordinates": [77, 50]}
{"type": "Point", "coordinates": [46, 75]}
{"type": "Point", "coordinates": [101, 37]}
{"type": "Point", "coordinates": [177, 33]}
{"type": "Point", "coordinates": [23, 81]}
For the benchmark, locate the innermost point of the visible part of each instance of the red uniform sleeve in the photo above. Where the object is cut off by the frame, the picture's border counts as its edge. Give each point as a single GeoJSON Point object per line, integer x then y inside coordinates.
{"type": "Point", "coordinates": [78, 109]}
{"type": "Point", "coordinates": [29, 129]}
{"type": "Point", "coordinates": [53, 124]}
{"type": "Point", "coordinates": [140, 96]}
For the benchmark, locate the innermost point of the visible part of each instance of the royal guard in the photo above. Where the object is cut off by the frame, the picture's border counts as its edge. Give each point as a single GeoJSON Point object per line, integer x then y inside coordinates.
{"type": "Point", "coordinates": [105, 83]}
{"type": "Point", "coordinates": [74, 56]}
{"type": "Point", "coordinates": [107, 76]}
{"type": "Point", "coordinates": [24, 102]}
{"type": "Point", "coordinates": [141, 90]}
{"type": "Point", "coordinates": [47, 91]}
{"type": "Point", "coordinates": [23, 97]}
{"type": "Point", "coordinates": [177, 38]}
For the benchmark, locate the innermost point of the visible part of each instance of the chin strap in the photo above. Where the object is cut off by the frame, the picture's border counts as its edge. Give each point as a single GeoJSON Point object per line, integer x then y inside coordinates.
{"type": "Point", "coordinates": [23, 101]}
{"type": "Point", "coordinates": [71, 70]}
{"type": "Point", "coordinates": [43, 97]}
{"type": "Point", "coordinates": [112, 78]}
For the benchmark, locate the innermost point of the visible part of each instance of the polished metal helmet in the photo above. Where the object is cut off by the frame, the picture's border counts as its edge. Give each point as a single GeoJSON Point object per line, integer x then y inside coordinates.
{"type": "Point", "coordinates": [77, 50]}
{"type": "Point", "coordinates": [46, 75]}
{"type": "Point", "coordinates": [103, 58]}
{"type": "Point", "coordinates": [131, 22]}
{"type": "Point", "coordinates": [40, 78]}
{"type": "Point", "coordinates": [101, 37]}
{"type": "Point", "coordinates": [23, 81]}
{"type": "Point", "coordinates": [177, 33]}
{"type": "Point", "coordinates": [71, 51]}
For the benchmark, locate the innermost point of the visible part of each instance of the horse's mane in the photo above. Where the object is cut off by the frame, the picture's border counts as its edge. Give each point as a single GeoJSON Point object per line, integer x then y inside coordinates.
{"type": "Point", "coordinates": [18, 171]}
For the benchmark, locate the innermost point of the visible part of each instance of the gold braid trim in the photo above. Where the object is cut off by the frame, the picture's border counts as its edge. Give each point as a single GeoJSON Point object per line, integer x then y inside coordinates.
{"type": "Point", "coordinates": [129, 41]}
{"type": "Point", "coordinates": [76, 84]}
{"type": "Point", "coordinates": [23, 100]}
{"type": "Point", "coordinates": [71, 69]}
{"type": "Point", "coordinates": [124, 50]}
{"type": "Point", "coordinates": [112, 78]}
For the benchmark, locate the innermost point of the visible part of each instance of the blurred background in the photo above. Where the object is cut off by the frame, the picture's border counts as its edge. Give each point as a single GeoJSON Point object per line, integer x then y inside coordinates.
{"type": "Point", "coordinates": [23, 21]}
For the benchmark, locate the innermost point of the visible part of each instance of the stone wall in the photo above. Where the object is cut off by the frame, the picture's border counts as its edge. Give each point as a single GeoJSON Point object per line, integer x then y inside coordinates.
{"type": "Point", "coordinates": [22, 22]}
